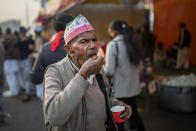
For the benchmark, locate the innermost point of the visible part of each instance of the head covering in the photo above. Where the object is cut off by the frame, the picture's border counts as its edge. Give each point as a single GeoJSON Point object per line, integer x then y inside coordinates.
{"type": "Point", "coordinates": [79, 25]}
{"type": "Point", "coordinates": [38, 29]}
{"type": "Point", "coordinates": [22, 29]}
{"type": "Point", "coordinates": [60, 21]}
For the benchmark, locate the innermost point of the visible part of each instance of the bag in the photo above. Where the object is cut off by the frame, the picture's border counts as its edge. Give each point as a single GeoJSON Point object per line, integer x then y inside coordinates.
{"type": "Point", "coordinates": [110, 125]}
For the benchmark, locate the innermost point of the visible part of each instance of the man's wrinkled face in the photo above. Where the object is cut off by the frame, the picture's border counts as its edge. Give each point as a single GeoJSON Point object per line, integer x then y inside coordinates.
{"type": "Point", "coordinates": [82, 47]}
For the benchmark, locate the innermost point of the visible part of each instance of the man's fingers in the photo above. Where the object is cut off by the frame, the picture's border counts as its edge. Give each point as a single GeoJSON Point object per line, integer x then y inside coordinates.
{"type": "Point", "coordinates": [122, 103]}
{"type": "Point", "coordinates": [94, 65]}
{"type": "Point", "coordinates": [129, 111]}
{"type": "Point", "coordinates": [97, 62]}
{"type": "Point", "coordinates": [100, 60]}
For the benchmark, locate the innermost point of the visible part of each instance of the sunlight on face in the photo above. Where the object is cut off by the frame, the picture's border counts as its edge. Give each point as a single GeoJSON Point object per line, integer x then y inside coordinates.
{"type": "Point", "coordinates": [83, 47]}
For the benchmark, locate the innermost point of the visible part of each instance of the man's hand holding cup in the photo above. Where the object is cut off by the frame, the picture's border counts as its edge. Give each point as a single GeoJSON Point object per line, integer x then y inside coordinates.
{"type": "Point", "coordinates": [121, 112]}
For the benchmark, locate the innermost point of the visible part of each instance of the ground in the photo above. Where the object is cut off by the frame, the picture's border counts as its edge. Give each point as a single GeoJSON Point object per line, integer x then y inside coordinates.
{"type": "Point", "coordinates": [24, 116]}
{"type": "Point", "coordinates": [29, 116]}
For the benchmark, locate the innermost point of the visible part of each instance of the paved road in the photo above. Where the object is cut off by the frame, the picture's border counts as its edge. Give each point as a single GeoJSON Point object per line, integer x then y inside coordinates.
{"type": "Point", "coordinates": [24, 116]}
{"type": "Point", "coordinates": [158, 119]}
{"type": "Point", "coordinates": [29, 117]}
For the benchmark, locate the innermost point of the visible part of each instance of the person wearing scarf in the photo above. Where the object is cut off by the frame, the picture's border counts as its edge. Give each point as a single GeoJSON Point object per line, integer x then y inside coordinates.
{"type": "Point", "coordinates": [51, 52]}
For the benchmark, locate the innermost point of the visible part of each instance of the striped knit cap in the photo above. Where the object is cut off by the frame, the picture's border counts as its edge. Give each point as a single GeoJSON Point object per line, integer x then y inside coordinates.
{"type": "Point", "coordinates": [79, 25]}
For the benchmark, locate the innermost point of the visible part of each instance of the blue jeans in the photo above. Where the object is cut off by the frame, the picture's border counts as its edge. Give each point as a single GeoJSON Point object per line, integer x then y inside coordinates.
{"type": "Point", "coordinates": [39, 91]}
{"type": "Point", "coordinates": [11, 69]}
{"type": "Point", "coordinates": [25, 65]}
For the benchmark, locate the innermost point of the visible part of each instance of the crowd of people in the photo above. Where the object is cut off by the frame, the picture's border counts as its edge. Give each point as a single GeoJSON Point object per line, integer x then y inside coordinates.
{"type": "Point", "coordinates": [76, 82]}
{"type": "Point", "coordinates": [17, 64]}
{"type": "Point", "coordinates": [177, 56]}
{"type": "Point", "coordinates": [18, 52]}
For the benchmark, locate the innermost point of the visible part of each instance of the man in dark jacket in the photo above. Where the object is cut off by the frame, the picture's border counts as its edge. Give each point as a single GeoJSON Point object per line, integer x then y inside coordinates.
{"type": "Point", "coordinates": [26, 47]}
{"type": "Point", "coordinates": [52, 51]}
{"type": "Point", "coordinates": [11, 64]}
{"type": "Point", "coordinates": [184, 47]}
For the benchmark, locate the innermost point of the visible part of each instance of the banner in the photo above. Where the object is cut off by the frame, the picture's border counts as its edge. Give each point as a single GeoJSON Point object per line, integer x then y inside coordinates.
{"type": "Point", "coordinates": [168, 15]}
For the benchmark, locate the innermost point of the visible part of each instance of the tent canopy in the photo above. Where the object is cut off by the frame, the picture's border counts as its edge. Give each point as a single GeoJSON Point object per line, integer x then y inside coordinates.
{"type": "Point", "coordinates": [168, 15]}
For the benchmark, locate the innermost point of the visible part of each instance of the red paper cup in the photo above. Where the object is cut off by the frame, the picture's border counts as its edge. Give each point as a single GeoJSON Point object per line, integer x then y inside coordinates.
{"type": "Point", "coordinates": [118, 113]}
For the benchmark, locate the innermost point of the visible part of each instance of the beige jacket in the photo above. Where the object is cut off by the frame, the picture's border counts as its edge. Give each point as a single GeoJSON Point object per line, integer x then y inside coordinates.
{"type": "Point", "coordinates": [64, 104]}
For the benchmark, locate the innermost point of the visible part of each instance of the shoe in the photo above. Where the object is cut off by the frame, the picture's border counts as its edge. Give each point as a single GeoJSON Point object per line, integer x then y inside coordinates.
{"type": "Point", "coordinates": [3, 116]}
{"type": "Point", "coordinates": [27, 98]}
{"type": "Point", "coordinates": [2, 119]}
{"type": "Point", "coordinates": [22, 90]}
{"type": "Point", "coordinates": [9, 94]}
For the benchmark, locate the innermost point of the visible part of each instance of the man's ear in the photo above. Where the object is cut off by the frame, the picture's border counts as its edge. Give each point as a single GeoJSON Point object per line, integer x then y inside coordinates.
{"type": "Point", "coordinates": [67, 48]}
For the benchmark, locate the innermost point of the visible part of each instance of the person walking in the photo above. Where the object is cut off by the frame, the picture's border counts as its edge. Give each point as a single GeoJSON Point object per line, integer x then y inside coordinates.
{"type": "Point", "coordinates": [39, 42]}
{"type": "Point", "coordinates": [123, 59]}
{"type": "Point", "coordinates": [26, 47]}
{"type": "Point", "coordinates": [51, 52]}
{"type": "Point", "coordinates": [184, 47]}
{"type": "Point", "coordinates": [11, 64]}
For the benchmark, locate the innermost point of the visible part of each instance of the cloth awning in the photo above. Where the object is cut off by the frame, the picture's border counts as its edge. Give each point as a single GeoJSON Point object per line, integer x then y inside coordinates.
{"type": "Point", "coordinates": [57, 6]}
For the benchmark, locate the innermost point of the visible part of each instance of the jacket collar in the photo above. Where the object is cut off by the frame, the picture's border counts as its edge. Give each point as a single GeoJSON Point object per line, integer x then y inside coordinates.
{"type": "Point", "coordinates": [118, 37]}
{"type": "Point", "coordinates": [67, 58]}
{"type": "Point", "coordinates": [73, 65]}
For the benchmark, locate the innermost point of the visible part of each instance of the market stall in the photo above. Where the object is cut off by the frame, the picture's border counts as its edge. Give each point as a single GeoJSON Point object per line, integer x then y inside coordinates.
{"type": "Point", "coordinates": [100, 12]}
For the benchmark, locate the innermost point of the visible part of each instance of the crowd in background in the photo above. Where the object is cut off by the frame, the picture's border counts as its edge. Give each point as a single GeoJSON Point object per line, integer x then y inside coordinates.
{"type": "Point", "coordinates": [20, 51]}
{"type": "Point", "coordinates": [25, 59]}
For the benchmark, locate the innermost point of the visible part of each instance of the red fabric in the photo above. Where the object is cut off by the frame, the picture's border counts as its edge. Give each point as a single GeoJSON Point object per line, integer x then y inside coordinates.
{"type": "Point", "coordinates": [57, 41]}
{"type": "Point", "coordinates": [104, 48]}
{"type": "Point", "coordinates": [78, 31]}
{"type": "Point", "coordinates": [84, 76]}
{"type": "Point", "coordinates": [168, 15]}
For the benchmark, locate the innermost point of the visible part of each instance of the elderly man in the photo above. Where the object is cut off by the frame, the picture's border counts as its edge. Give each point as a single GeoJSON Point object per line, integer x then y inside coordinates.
{"type": "Point", "coordinates": [75, 97]}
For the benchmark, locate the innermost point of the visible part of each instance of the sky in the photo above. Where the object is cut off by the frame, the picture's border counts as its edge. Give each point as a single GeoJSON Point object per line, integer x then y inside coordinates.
{"type": "Point", "coordinates": [18, 10]}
